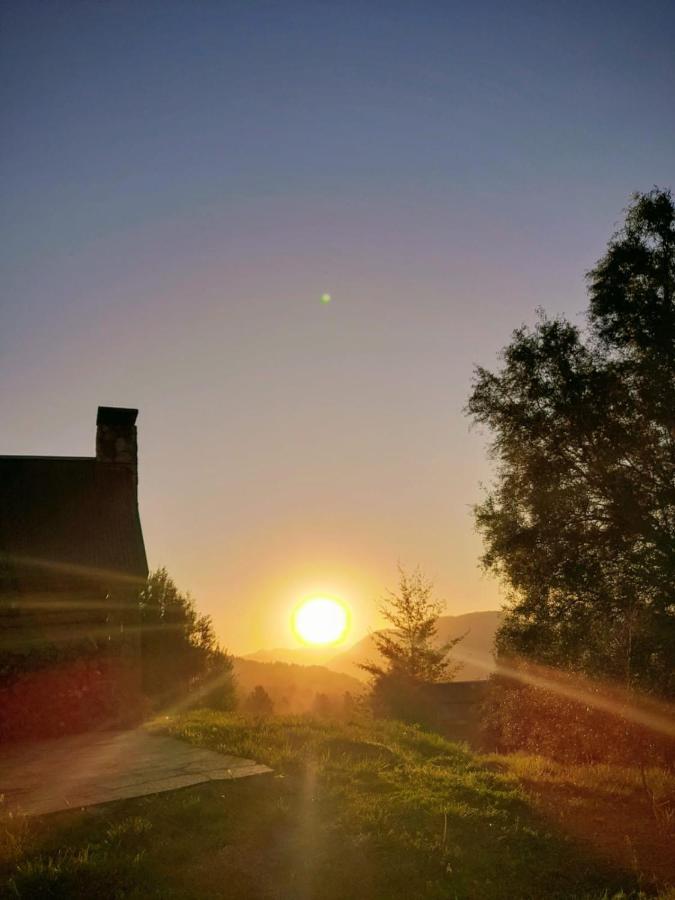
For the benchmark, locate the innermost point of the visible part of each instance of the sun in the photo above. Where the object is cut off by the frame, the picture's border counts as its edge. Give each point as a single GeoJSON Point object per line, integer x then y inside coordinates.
{"type": "Point", "coordinates": [321, 620]}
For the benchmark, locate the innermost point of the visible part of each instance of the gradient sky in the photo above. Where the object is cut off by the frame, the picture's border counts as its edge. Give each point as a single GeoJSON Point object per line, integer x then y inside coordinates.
{"type": "Point", "coordinates": [182, 181]}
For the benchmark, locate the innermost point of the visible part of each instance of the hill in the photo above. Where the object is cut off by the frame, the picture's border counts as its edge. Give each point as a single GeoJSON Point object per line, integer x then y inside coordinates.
{"type": "Point", "coordinates": [292, 687]}
{"type": "Point", "coordinates": [475, 651]}
{"type": "Point", "coordinates": [300, 656]}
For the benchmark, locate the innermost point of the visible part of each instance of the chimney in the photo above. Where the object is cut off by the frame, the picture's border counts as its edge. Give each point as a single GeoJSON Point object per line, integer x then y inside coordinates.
{"type": "Point", "coordinates": [116, 436]}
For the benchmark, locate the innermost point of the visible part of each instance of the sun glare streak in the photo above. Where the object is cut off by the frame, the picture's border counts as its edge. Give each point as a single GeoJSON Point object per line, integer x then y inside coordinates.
{"type": "Point", "coordinates": [66, 633]}
{"type": "Point", "coordinates": [639, 709]}
{"type": "Point", "coordinates": [656, 715]}
{"type": "Point", "coordinates": [75, 569]}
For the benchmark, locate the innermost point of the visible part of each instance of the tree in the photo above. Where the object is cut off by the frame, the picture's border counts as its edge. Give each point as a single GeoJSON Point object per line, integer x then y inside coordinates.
{"type": "Point", "coordinates": [349, 706]}
{"type": "Point", "coordinates": [580, 522]}
{"type": "Point", "coordinates": [324, 706]}
{"type": "Point", "coordinates": [259, 702]}
{"type": "Point", "coordinates": [412, 658]}
{"type": "Point", "coordinates": [179, 648]}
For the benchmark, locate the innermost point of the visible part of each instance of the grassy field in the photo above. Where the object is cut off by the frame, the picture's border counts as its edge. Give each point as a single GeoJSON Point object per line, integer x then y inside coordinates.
{"type": "Point", "coordinates": [360, 810]}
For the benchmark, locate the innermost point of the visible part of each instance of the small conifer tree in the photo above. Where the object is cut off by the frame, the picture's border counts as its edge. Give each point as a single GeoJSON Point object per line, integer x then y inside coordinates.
{"type": "Point", "coordinates": [412, 658]}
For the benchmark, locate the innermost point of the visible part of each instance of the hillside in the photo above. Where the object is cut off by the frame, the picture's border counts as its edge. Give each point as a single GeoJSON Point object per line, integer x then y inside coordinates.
{"type": "Point", "coordinates": [301, 656]}
{"type": "Point", "coordinates": [475, 651]}
{"type": "Point", "coordinates": [293, 688]}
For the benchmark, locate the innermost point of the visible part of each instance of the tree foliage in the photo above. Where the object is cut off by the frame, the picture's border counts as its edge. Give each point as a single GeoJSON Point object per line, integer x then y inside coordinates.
{"type": "Point", "coordinates": [180, 651]}
{"type": "Point", "coordinates": [412, 658]}
{"type": "Point", "coordinates": [259, 702]}
{"type": "Point", "coordinates": [580, 522]}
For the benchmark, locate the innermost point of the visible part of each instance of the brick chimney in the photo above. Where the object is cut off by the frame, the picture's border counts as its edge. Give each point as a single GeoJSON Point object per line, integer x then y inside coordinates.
{"type": "Point", "coordinates": [116, 436]}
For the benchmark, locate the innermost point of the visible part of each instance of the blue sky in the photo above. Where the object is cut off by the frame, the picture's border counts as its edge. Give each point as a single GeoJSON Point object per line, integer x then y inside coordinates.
{"type": "Point", "coordinates": [182, 181]}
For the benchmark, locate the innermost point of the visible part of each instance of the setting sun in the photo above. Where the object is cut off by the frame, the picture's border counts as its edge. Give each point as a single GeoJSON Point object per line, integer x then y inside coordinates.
{"type": "Point", "coordinates": [321, 620]}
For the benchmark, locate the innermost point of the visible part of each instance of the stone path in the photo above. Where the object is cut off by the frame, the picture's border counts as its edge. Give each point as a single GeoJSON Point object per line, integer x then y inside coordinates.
{"type": "Point", "coordinates": [86, 769]}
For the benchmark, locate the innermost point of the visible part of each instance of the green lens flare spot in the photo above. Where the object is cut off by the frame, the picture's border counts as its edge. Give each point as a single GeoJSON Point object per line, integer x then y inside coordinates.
{"type": "Point", "coordinates": [325, 298]}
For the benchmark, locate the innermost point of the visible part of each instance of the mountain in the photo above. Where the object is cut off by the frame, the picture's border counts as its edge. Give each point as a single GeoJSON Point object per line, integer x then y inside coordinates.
{"type": "Point", "coordinates": [292, 687]}
{"type": "Point", "coordinates": [475, 651]}
{"type": "Point", "coordinates": [301, 656]}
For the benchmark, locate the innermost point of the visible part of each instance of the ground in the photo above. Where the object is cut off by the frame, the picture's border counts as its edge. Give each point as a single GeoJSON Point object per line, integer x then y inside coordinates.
{"type": "Point", "coordinates": [359, 809]}
{"type": "Point", "coordinates": [629, 819]}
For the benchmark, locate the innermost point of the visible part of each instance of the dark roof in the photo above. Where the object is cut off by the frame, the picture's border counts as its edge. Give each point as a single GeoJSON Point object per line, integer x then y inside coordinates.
{"type": "Point", "coordinates": [68, 519]}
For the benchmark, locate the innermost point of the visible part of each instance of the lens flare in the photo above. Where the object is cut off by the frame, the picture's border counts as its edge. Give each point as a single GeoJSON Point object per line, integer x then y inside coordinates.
{"type": "Point", "coordinates": [321, 620]}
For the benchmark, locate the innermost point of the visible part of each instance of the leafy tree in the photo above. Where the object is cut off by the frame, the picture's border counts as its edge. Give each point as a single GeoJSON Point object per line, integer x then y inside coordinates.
{"type": "Point", "coordinates": [412, 658]}
{"type": "Point", "coordinates": [179, 648]}
{"type": "Point", "coordinates": [259, 702]}
{"type": "Point", "coordinates": [580, 522]}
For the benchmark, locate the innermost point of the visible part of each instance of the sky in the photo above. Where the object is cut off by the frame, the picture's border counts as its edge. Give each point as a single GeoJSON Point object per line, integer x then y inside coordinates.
{"type": "Point", "coordinates": [182, 181]}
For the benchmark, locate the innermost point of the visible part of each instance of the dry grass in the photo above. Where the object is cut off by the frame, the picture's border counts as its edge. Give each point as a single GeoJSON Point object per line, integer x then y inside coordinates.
{"type": "Point", "coordinates": [609, 779]}
{"type": "Point", "coordinates": [626, 813]}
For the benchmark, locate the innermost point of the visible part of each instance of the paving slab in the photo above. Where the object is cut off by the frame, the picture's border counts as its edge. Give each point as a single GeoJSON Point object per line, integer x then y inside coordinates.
{"type": "Point", "coordinates": [87, 769]}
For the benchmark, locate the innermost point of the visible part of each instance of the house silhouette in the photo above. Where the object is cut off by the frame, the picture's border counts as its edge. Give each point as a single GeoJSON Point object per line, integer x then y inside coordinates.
{"type": "Point", "coordinates": [72, 557]}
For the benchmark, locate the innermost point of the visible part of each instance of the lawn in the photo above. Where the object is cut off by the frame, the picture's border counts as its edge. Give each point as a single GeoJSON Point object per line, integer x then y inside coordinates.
{"type": "Point", "coordinates": [353, 810]}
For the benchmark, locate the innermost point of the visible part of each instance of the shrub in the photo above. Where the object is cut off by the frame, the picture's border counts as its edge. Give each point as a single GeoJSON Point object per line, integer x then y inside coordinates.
{"type": "Point", "coordinates": [182, 659]}
{"type": "Point", "coordinates": [411, 656]}
{"type": "Point", "coordinates": [83, 693]}
{"type": "Point", "coordinates": [574, 721]}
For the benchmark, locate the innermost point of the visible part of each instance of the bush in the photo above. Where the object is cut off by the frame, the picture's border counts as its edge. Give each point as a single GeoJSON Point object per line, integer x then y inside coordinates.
{"type": "Point", "coordinates": [412, 659]}
{"type": "Point", "coordinates": [49, 688]}
{"type": "Point", "coordinates": [182, 660]}
{"type": "Point", "coordinates": [397, 696]}
{"type": "Point", "coordinates": [575, 722]}
{"type": "Point", "coordinates": [69, 697]}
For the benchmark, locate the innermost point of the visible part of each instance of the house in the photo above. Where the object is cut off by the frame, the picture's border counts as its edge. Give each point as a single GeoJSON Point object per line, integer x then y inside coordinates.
{"type": "Point", "coordinates": [72, 557]}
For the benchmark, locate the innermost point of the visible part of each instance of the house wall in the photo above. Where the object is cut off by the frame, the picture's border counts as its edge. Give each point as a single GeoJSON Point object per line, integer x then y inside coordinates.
{"type": "Point", "coordinates": [72, 563]}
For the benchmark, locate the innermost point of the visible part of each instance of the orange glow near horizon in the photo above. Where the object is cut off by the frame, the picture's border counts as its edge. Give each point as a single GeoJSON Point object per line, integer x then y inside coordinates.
{"type": "Point", "coordinates": [321, 621]}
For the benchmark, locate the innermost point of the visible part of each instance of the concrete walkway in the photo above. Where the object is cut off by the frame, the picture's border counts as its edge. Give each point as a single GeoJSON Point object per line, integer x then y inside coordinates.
{"type": "Point", "coordinates": [86, 769]}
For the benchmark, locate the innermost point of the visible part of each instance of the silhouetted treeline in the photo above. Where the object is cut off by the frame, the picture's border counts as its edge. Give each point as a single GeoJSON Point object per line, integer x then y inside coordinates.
{"type": "Point", "coordinates": [293, 688]}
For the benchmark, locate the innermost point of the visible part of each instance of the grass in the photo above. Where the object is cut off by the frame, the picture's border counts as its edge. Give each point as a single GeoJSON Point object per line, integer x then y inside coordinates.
{"type": "Point", "coordinates": [626, 813]}
{"type": "Point", "coordinates": [621, 781]}
{"type": "Point", "coordinates": [364, 810]}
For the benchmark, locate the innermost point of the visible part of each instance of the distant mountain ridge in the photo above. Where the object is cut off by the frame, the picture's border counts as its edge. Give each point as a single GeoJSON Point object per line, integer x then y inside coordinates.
{"type": "Point", "coordinates": [301, 656]}
{"type": "Point", "coordinates": [474, 651]}
{"type": "Point", "coordinates": [292, 687]}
